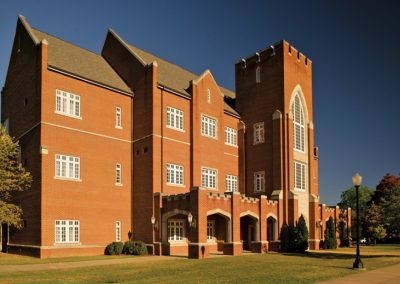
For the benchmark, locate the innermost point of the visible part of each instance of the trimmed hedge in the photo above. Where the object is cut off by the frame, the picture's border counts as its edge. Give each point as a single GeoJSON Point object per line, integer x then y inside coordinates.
{"type": "Point", "coordinates": [135, 248]}
{"type": "Point", "coordinates": [114, 248]}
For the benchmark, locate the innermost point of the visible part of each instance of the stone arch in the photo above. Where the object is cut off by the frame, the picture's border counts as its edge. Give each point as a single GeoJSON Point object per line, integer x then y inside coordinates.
{"type": "Point", "coordinates": [220, 212]}
{"type": "Point", "coordinates": [249, 213]}
{"type": "Point", "coordinates": [298, 91]}
{"type": "Point", "coordinates": [165, 218]}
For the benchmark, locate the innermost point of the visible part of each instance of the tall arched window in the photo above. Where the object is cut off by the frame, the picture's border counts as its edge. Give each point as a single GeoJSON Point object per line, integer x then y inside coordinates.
{"type": "Point", "coordinates": [298, 123]}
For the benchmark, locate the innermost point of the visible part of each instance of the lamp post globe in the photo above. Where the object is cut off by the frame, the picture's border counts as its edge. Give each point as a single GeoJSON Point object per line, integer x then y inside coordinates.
{"type": "Point", "coordinates": [357, 180]}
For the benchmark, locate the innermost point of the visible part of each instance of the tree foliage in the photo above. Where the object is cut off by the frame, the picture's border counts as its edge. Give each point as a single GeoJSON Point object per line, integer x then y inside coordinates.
{"type": "Point", "coordinates": [330, 235]}
{"type": "Point", "coordinates": [13, 178]}
{"type": "Point", "coordinates": [348, 199]}
{"type": "Point", "coordinates": [294, 239]}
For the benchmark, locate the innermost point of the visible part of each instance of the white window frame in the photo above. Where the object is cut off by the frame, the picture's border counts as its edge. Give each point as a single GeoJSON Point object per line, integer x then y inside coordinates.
{"type": "Point", "coordinates": [259, 133]}
{"type": "Point", "coordinates": [209, 178]}
{"type": "Point", "coordinates": [175, 174]}
{"type": "Point", "coordinates": [298, 125]}
{"type": "Point", "coordinates": [175, 119]}
{"type": "Point", "coordinates": [67, 231]}
{"type": "Point", "coordinates": [209, 126]}
{"type": "Point", "coordinates": [230, 136]}
{"type": "Point", "coordinates": [67, 167]}
{"type": "Point", "coordinates": [300, 176]}
{"type": "Point", "coordinates": [176, 230]}
{"type": "Point", "coordinates": [118, 118]}
{"type": "Point", "coordinates": [231, 183]}
{"type": "Point", "coordinates": [118, 174]}
{"type": "Point", "coordinates": [68, 104]}
{"type": "Point", "coordinates": [118, 231]}
{"type": "Point", "coordinates": [259, 181]}
{"type": "Point", "coordinates": [210, 230]}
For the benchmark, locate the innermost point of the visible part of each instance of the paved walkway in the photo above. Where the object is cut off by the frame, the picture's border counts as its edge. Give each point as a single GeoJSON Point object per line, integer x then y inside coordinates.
{"type": "Point", "coordinates": [389, 274]}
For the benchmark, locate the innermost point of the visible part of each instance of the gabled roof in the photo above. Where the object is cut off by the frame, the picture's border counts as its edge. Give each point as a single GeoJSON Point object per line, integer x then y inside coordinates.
{"type": "Point", "coordinates": [175, 77]}
{"type": "Point", "coordinates": [80, 62]}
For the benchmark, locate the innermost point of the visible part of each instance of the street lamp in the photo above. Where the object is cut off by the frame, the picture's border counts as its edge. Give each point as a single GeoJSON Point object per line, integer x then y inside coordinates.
{"type": "Point", "coordinates": [357, 179]}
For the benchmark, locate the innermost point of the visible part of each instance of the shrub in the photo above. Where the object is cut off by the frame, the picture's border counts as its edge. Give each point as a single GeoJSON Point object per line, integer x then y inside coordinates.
{"type": "Point", "coordinates": [301, 235]}
{"type": "Point", "coordinates": [135, 248]}
{"type": "Point", "coordinates": [294, 239]}
{"type": "Point", "coordinates": [330, 235]}
{"type": "Point", "coordinates": [114, 248]}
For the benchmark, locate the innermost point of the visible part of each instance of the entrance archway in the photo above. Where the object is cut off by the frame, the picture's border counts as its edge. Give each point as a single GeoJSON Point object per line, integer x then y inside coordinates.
{"type": "Point", "coordinates": [249, 230]}
{"type": "Point", "coordinates": [218, 231]}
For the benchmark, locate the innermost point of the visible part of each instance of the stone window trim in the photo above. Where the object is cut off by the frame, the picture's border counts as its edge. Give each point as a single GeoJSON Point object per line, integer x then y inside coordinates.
{"type": "Point", "coordinates": [259, 181]}
{"type": "Point", "coordinates": [258, 133]}
{"type": "Point", "coordinates": [175, 119]}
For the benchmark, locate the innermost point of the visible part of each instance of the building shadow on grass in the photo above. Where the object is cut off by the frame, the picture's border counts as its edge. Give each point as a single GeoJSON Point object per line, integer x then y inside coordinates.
{"type": "Point", "coordinates": [336, 255]}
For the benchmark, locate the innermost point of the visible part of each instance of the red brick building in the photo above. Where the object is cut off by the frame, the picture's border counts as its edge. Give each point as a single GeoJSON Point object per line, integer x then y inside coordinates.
{"type": "Point", "coordinates": [127, 145]}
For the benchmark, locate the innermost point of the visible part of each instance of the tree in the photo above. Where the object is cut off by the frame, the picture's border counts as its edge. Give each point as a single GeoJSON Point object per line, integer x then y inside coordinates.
{"type": "Point", "coordinates": [13, 178]}
{"type": "Point", "coordinates": [390, 208]}
{"type": "Point", "coordinates": [379, 233]}
{"type": "Point", "coordinates": [302, 235]}
{"type": "Point", "coordinates": [385, 187]}
{"type": "Point", "coordinates": [373, 220]}
{"type": "Point", "coordinates": [330, 235]}
{"type": "Point", "coordinates": [294, 239]}
{"type": "Point", "coordinates": [348, 199]}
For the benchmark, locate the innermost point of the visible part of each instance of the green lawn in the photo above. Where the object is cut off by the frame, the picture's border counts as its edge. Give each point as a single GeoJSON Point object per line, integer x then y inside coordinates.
{"type": "Point", "coordinates": [268, 268]}
{"type": "Point", "coordinates": [10, 259]}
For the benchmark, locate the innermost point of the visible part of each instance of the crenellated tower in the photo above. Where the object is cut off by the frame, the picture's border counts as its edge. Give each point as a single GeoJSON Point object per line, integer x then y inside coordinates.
{"type": "Point", "coordinates": [274, 98]}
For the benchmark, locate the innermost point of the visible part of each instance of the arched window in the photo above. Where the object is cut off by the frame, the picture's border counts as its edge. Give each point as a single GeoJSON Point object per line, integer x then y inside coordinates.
{"type": "Point", "coordinates": [298, 124]}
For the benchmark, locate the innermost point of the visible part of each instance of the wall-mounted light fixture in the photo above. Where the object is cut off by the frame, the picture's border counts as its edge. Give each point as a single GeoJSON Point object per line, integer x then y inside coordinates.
{"type": "Point", "coordinates": [154, 222]}
{"type": "Point", "coordinates": [191, 220]}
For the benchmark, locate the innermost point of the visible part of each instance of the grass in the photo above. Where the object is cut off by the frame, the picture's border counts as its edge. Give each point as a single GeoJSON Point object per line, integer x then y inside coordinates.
{"type": "Point", "coordinates": [10, 259]}
{"type": "Point", "coordinates": [269, 268]}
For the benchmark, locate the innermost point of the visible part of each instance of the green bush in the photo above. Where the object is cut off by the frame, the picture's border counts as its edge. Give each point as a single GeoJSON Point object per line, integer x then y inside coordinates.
{"type": "Point", "coordinates": [114, 248]}
{"type": "Point", "coordinates": [294, 239]}
{"type": "Point", "coordinates": [135, 248]}
{"type": "Point", "coordinates": [301, 235]}
{"type": "Point", "coordinates": [330, 235]}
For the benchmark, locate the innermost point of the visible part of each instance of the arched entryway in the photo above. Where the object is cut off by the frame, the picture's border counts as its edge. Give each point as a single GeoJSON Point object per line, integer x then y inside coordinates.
{"type": "Point", "coordinates": [272, 233]}
{"type": "Point", "coordinates": [249, 229]}
{"type": "Point", "coordinates": [175, 232]}
{"type": "Point", "coordinates": [218, 229]}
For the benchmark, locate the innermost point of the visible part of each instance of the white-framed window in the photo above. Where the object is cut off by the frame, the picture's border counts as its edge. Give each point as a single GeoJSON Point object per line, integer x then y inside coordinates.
{"type": "Point", "coordinates": [68, 104]}
{"type": "Point", "coordinates": [208, 178]}
{"type": "Point", "coordinates": [231, 183]}
{"type": "Point", "coordinates": [298, 124]}
{"type": "Point", "coordinates": [118, 117]}
{"type": "Point", "coordinates": [208, 126]}
{"type": "Point", "coordinates": [258, 74]}
{"type": "Point", "coordinates": [259, 181]}
{"type": "Point", "coordinates": [176, 230]}
{"type": "Point", "coordinates": [174, 118]}
{"type": "Point", "coordinates": [118, 174]}
{"type": "Point", "coordinates": [67, 231]}
{"type": "Point", "coordinates": [299, 176]}
{"type": "Point", "coordinates": [175, 174]}
{"type": "Point", "coordinates": [208, 96]}
{"type": "Point", "coordinates": [118, 231]}
{"type": "Point", "coordinates": [210, 230]}
{"type": "Point", "coordinates": [258, 129]}
{"type": "Point", "coordinates": [230, 136]}
{"type": "Point", "coordinates": [67, 167]}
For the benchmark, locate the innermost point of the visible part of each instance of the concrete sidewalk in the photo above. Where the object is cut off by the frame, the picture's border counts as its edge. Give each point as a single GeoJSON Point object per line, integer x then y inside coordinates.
{"type": "Point", "coordinates": [389, 274]}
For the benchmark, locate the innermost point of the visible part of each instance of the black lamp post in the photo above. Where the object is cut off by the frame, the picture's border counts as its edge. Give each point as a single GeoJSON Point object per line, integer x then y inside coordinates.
{"type": "Point", "coordinates": [357, 179]}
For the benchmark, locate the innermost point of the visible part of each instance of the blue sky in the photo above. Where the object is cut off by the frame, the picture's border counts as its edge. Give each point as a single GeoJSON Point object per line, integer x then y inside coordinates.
{"type": "Point", "coordinates": [353, 45]}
